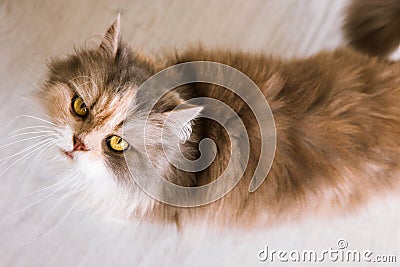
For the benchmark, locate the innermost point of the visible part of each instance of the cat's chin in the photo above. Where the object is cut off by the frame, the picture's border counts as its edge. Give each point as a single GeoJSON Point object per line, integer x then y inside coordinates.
{"type": "Point", "coordinates": [98, 189]}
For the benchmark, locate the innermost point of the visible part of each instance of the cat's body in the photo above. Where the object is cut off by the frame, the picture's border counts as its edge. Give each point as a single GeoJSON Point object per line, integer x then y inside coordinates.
{"type": "Point", "coordinates": [337, 122]}
{"type": "Point", "coordinates": [336, 116]}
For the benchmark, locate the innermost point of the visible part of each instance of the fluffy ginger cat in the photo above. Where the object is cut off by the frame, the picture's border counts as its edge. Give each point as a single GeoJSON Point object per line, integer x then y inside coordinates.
{"type": "Point", "coordinates": [336, 116]}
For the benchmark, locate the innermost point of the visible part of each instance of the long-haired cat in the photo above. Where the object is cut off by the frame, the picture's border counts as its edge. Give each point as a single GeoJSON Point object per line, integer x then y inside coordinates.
{"type": "Point", "coordinates": [336, 115]}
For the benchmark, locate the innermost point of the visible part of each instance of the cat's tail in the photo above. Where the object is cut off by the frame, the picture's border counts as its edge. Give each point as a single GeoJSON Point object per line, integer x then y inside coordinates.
{"type": "Point", "coordinates": [373, 26]}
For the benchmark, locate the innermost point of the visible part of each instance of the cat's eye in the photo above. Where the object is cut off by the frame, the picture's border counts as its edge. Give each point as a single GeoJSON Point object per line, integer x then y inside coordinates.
{"type": "Point", "coordinates": [79, 106]}
{"type": "Point", "coordinates": [117, 143]}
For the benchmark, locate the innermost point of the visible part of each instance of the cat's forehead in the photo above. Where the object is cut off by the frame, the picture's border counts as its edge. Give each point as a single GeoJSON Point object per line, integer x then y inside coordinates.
{"type": "Point", "coordinates": [99, 95]}
{"type": "Point", "coordinates": [92, 69]}
{"type": "Point", "coordinates": [98, 79]}
{"type": "Point", "coordinates": [107, 106]}
{"type": "Point", "coordinates": [106, 84]}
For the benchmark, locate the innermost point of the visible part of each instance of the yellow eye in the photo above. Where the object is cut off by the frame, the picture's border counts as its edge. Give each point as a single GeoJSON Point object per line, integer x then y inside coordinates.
{"type": "Point", "coordinates": [79, 107]}
{"type": "Point", "coordinates": [117, 143]}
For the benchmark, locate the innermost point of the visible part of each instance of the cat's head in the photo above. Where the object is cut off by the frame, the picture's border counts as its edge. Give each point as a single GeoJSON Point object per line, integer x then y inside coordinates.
{"type": "Point", "coordinates": [87, 95]}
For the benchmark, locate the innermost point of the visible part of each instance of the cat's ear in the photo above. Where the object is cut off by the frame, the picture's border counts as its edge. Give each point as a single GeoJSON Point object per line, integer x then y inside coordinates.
{"type": "Point", "coordinates": [185, 113]}
{"type": "Point", "coordinates": [182, 116]}
{"type": "Point", "coordinates": [111, 39]}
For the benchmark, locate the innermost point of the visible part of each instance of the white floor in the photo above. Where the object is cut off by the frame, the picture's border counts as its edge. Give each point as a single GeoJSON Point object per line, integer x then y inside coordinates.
{"type": "Point", "coordinates": [32, 31]}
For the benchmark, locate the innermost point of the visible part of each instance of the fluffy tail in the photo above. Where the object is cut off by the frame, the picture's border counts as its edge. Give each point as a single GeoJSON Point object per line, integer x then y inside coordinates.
{"type": "Point", "coordinates": [373, 26]}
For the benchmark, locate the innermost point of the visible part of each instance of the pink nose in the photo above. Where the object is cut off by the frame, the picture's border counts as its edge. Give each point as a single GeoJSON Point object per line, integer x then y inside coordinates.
{"type": "Point", "coordinates": [79, 145]}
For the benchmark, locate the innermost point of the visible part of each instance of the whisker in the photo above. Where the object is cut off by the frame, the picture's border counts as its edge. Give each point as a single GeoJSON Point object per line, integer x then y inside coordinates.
{"type": "Point", "coordinates": [29, 127]}
{"type": "Point", "coordinates": [77, 85]}
{"type": "Point", "coordinates": [9, 123]}
{"type": "Point", "coordinates": [56, 205]}
{"type": "Point", "coordinates": [46, 197]}
{"type": "Point", "coordinates": [51, 186]}
{"type": "Point", "coordinates": [90, 212]}
{"type": "Point", "coordinates": [29, 153]}
{"type": "Point", "coordinates": [37, 118]}
{"type": "Point", "coordinates": [86, 77]}
{"type": "Point", "coordinates": [27, 139]}
{"type": "Point", "coordinates": [58, 224]}
{"type": "Point", "coordinates": [26, 133]}
{"type": "Point", "coordinates": [26, 149]}
{"type": "Point", "coordinates": [37, 157]}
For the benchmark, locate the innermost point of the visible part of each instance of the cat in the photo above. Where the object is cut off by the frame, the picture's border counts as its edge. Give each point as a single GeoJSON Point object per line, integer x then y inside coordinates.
{"type": "Point", "coordinates": [336, 115]}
